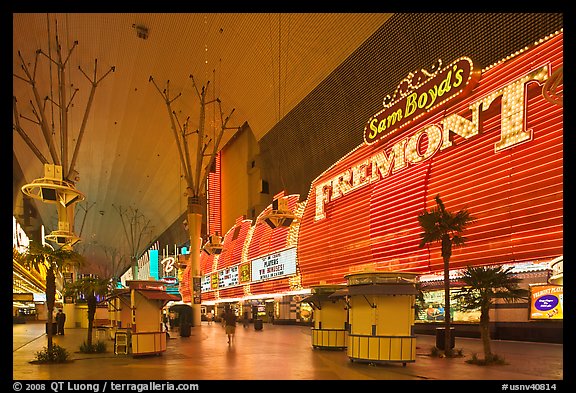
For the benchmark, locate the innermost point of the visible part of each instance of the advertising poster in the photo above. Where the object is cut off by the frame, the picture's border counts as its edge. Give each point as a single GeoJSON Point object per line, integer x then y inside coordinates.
{"type": "Point", "coordinates": [68, 279]}
{"type": "Point", "coordinates": [214, 280]}
{"type": "Point", "coordinates": [546, 302]}
{"type": "Point", "coordinates": [245, 272]}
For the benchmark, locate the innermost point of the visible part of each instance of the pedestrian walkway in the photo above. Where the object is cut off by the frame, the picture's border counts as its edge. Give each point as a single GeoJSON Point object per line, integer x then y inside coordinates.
{"type": "Point", "coordinates": [277, 352]}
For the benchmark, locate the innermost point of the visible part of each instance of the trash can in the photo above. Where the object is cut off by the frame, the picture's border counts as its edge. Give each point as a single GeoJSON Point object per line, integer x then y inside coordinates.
{"type": "Point", "coordinates": [440, 338]}
{"type": "Point", "coordinates": [185, 329]}
{"type": "Point", "coordinates": [54, 328]}
{"type": "Point", "coordinates": [258, 324]}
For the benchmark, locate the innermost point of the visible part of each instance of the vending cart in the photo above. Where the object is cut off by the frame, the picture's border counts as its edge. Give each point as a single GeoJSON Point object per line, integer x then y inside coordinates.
{"type": "Point", "coordinates": [330, 329]}
{"type": "Point", "coordinates": [144, 330]}
{"type": "Point", "coordinates": [381, 316]}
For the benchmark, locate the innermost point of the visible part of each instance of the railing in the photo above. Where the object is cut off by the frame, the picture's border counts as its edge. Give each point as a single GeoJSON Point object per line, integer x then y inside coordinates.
{"type": "Point", "coordinates": [382, 348]}
{"type": "Point", "coordinates": [329, 338]}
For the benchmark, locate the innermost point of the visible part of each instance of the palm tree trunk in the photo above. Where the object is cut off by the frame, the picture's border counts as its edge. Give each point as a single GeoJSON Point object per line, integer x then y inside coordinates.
{"type": "Point", "coordinates": [50, 300]}
{"type": "Point", "coordinates": [447, 319]}
{"type": "Point", "coordinates": [91, 300]}
{"type": "Point", "coordinates": [446, 254]}
{"type": "Point", "coordinates": [485, 332]}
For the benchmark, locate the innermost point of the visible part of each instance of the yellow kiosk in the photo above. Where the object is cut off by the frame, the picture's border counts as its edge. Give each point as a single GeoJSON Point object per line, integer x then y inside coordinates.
{"type": "Point", "coordinates": [381, 316]}
{"type": "Point", "coordinates": [330, 317]}
{"type": "Point", "coordinates": [119, 313]}
{"type": "Point", "coordinates": [137, 313]}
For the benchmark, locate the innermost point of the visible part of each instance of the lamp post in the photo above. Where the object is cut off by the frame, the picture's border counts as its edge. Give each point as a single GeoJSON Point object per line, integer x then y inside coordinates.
{"type": "Point", "coordinates": [58, 184]}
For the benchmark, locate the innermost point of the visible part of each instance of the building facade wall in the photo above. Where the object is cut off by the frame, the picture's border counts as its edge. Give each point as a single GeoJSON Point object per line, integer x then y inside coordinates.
{"type": "Point", "coordinates": [497, 152]}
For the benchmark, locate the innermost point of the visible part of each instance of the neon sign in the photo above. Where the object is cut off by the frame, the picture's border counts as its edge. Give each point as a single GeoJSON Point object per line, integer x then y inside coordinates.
{"type": "Point", "coordinates": [168, 264]}
{"type": "Point", "coordinates": [409, 150]}
{"type": "Point", "coordinates": [419, 96]}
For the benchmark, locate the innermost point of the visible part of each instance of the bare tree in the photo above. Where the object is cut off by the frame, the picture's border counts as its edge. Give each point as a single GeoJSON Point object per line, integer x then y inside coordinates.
{"type": "Point", "coordinates": [196, 168]}
{"type": "Point", "coordinates": [115, 264]}
{"type": "Point", "coordinates": [138, 233]}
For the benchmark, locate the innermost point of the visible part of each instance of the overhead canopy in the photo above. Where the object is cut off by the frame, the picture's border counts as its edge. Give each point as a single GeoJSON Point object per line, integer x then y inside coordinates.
{"type": "Point", "coordinates": [124, 295]}
{"type": "Point", "coordinates": [158, 295]}
{"type": "Point", "coordinates": [316, 300]}
{"type": "Point", "coordinates": [383, 289]}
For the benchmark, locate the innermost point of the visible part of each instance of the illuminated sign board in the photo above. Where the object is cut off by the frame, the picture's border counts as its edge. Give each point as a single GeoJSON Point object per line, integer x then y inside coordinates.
{"type": "Point", "coordinates": [244, 273]}
{"type": "Point", "coordinates": [214, 281]}
{"type": "Point", "coordinates": [546, 302]}
{"type": "Point", "coordinates": [169, 280]}
{"type": "Point", "coordinates": [144, 284]}
{"type": "Point", "coordinates": [419, 94]}
{"type": "Point", "coordinates": [23, 297]}
{"type": "Point", "coordinates": [278, 264]}
{"type": "Point", "coordinates": [423, 144]}
{"type": "Point", "coordinates": [205, 284]}
{"type": "Point", "coordinates": [20, 240]}
{"type": "Point", "coordinates": [228, 277]}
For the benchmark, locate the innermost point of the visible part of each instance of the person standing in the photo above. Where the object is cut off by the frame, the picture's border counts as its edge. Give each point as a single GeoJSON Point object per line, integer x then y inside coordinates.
{"type": "Point", "coordinates": [245, 320]}
{"type": "Point", "coordinates": [209, 317]}
{"type": "Point", "coordinates": [60, 320]}
{"type": "Point", "coordinates": [230, 325]}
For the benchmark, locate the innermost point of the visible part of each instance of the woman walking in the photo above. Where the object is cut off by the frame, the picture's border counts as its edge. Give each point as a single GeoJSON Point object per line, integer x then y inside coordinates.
{"type": "Point", "coordinates": [230, 324]}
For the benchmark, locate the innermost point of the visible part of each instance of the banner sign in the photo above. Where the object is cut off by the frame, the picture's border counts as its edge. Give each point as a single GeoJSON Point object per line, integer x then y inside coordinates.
{"type": "Point", "coordinates": [546, 302]}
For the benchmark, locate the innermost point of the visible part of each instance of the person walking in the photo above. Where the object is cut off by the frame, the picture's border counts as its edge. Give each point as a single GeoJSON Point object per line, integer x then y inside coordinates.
{"type": "Point", "coordinates": [60, 320]}
{"type": "Point", "coordinates": [230, 324]}
{"type": "Point", "coordinates": [245, 320]}
{"type": "Point", "coordinates": [209, 317]}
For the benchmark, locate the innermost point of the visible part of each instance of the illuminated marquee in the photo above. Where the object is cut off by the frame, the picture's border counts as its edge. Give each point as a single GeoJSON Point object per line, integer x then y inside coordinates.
{"type": "Point", "coordinates": [228, 277]}
{"type": "Point", "coordinates": [206, 283]}
{"type": "Point", "coordinates": [274, 265]}
{"type": "Point", "coordinates": [408, 151]}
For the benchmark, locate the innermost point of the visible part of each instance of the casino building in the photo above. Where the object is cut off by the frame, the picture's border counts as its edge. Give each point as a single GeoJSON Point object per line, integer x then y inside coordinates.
{"type": "Point", "coordinates": [482, 127]}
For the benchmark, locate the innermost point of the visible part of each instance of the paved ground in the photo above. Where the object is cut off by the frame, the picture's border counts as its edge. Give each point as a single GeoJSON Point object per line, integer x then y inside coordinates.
{"type": "Point", "coordinates": [276, 352]}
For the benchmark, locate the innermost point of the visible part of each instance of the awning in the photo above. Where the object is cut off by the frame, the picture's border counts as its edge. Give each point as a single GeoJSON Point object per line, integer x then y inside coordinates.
{"type": "Point", "coordinates": [119, 293]}
{"type": "Point", "coordinates": [158, 295]}
{"type": "Point", "coordinates": [316, 299]}
{"type": "Point", "coordinates": [383, 289]}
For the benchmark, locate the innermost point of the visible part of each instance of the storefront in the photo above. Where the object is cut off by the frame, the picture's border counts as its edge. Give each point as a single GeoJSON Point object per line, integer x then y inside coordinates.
{"type": "Point", "coordinates": [28, 285]}
{"type": "Point", "coordinates": [486, 140]}
{"type": "Point", "coordinates": [256, 273]}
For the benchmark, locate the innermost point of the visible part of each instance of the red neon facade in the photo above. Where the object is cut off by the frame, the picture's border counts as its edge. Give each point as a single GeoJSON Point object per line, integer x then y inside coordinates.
{"type": "Point", "coordinates": [513, 187]}
{"type": "Point", "coordinates": [241, 244]}
{"type": "Point", "coordinates": [266, 240]}
{"type": "Point", "coordinates": [515, 191]}
{"type": "Point", "coordinates": [214, 204]}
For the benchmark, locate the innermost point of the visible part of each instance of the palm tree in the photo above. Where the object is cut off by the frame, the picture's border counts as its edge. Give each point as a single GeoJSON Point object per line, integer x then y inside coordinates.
{"type": "Point", "coordinates": [441, 225]}
{"type": "Point", "coordinates": [53, 261]}
{"type": "Point", "coordinates": [484, 284]}
{"type": "Point", "coordinates": [90, 288]}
